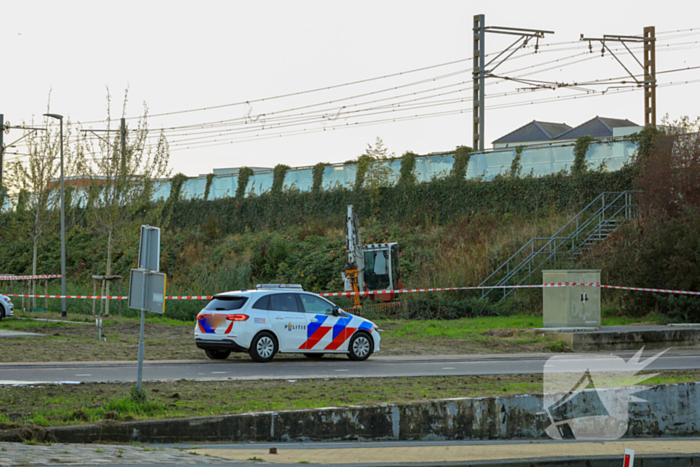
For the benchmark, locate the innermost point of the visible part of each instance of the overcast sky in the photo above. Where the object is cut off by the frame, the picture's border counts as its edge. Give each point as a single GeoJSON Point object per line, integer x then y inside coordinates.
{"type": "Point", "coordinates": [177, 56]}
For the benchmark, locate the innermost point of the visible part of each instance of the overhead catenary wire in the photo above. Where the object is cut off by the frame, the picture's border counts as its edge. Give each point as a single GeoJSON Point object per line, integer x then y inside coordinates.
{"type": "Point", "coordinates": [334, 101]}
{"type": "Point", "coordinates": [325, 88]}
{"type": "Point", "coordinates": [397, 107]}
{"type": "Point", "coordinates": [419, 116]}
{"type": "Point", "coordinates": [269, 125]}
{"type": "Point", "coordinates": [269, 119]}
{"type": "Point", "coordinates": [395, 74]}
{"type": "Point", "coordinates": [299, 93]}
{"type": "Point", "coordinates": [269, 114]}
{"type": "Point", "coordinates": [184, 145]}
{"type": "Point", "coordinates": [176, 135]}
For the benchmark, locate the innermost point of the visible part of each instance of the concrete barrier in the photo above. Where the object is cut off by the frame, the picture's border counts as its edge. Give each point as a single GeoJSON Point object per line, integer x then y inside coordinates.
{"type": "Point", "coordinates": [671, 410]}
{"type": "Point", "coordinates": [628, 338]}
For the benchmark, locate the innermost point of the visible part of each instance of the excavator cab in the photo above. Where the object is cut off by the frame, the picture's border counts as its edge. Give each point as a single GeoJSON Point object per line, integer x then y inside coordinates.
{"type": "Point", "coordinates": [382, 271]}
{"type": "Point", "coordinates": [369, 268]}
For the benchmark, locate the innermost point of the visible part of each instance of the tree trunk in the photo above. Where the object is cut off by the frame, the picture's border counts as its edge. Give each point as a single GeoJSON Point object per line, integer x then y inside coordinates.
{"type": "Point", "coordinates": [34, 258]}
{"type": "Point", "coordinates": [109, 267]}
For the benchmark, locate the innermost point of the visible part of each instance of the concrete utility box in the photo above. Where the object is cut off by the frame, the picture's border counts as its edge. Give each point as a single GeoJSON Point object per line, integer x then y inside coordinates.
{"type": "Point", "coordinates": [571, 307]}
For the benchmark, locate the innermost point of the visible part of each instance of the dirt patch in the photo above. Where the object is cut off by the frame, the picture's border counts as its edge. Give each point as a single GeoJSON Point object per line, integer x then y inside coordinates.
{"type": "Point", "coordinates": [501, 332]}
{"type": "Point", "coordinates": [79, 343]}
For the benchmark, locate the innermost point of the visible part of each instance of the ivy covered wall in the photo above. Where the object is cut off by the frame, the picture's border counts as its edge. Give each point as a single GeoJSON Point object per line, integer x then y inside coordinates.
{"type": "Point", "coordinates": [439, 201]}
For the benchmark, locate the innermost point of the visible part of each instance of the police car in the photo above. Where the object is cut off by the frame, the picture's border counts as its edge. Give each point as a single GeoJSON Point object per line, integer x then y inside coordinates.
{"type": "Point", "coordinates": [6, 307]}
{"type": "Point", "coordinates": [281, 318]}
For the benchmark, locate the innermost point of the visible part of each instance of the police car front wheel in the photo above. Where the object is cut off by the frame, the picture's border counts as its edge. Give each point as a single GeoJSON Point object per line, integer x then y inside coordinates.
{"type": "Point", "coordinates": [361, 347]}
{"type": "Point", "coordinates": [263, 348]}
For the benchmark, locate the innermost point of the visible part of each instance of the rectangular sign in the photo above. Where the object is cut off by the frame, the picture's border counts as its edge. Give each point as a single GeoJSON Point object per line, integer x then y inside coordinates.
{"type": "Point", "coordinates": [147, 291]}
{"type": "Point", "coordinates": [149, 248]}
{"type": "Point", "coordinates": [629, 458]}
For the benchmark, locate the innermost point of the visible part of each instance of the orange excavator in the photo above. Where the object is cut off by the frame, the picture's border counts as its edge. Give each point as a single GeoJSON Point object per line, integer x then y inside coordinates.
{"type": "Point", "coordinates": [373, 267]}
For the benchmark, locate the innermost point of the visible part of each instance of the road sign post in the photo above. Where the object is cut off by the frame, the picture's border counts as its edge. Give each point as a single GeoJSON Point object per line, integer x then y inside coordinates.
{"type": "Point", "coordinates": [147, 285]}
{"type": "Point", "coordinates": [149, 248]}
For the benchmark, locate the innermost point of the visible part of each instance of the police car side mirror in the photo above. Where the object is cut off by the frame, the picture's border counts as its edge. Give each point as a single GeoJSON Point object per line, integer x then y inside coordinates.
{"type": "Point", "coordinates": [336, 310]}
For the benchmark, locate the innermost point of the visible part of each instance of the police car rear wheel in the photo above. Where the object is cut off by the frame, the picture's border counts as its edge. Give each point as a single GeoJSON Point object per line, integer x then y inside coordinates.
{"type": "Point", "coordinates": [218, 354]}
{"type": "Point", "coordinates": [263, 348]}
{"type": "Point", "coordinates": [361, 347]}
{"type": "Point", "coordinates": [313, 356]}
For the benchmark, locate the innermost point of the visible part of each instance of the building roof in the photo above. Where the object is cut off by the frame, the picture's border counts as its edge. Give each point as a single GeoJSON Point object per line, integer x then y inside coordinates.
{"type": "Point", "coordinates": [534, 131]}
{"type": "Point", "coordinates": [597, 127]}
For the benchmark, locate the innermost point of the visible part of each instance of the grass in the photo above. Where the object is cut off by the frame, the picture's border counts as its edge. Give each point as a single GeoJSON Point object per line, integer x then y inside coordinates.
{"type": "Point", "coordinates": [169, 339]}
{"type": "Point", "coordinates": [611, 316]}
{"type": "Point", "coordinates": [27, 316]}
{"type": "Point", "coordinates": [498, 334]}
{"type": "Point", "coordinates": [459, 328]}
{"type": "Point", "coordinates": [88, 403]}
{"type": "Point", "coordinates": [21, 323]}
{"type": "Point", "coordinates": [465, 252]}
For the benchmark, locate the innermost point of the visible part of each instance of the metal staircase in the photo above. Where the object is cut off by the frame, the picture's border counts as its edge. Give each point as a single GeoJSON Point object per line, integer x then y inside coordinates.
{"type": "Point", "coordinates": [592, 225]}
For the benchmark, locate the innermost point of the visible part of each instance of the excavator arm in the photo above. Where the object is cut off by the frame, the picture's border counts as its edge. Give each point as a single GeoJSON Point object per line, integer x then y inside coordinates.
{"type": "Point", "coordinates": [355, 266]}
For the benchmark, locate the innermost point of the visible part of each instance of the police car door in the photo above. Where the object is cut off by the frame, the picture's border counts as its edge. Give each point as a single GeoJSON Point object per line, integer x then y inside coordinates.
{"type": "Point", "coordinates": [325, 332]}
{"type": "Point", "coordinates": [287, 320]}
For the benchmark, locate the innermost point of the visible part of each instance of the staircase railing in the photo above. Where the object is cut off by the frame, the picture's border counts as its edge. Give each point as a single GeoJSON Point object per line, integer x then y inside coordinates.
{"type": "Point", "coordinates": [592, 224]}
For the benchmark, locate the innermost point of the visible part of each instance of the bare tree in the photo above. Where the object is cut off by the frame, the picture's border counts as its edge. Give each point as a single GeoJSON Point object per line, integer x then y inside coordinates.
{"type": "Point", "coordinates": [122, 169]}
{"type": "Point", "coordinates": [36, 175]}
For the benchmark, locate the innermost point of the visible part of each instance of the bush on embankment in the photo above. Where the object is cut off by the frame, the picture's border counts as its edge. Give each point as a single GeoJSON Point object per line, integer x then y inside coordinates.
{"type": "Point", "coordinates": [661, 248]}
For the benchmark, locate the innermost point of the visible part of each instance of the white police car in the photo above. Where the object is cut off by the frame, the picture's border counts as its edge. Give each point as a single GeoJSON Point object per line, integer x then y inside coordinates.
{"type": "Point", "coordinates": [6, 307]}
{"type": "Point", "coordinates": [281, 318]}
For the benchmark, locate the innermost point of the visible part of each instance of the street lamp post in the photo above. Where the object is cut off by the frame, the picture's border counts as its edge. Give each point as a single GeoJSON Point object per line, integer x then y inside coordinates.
{"type": "Point", "coordinates": [64, 311]}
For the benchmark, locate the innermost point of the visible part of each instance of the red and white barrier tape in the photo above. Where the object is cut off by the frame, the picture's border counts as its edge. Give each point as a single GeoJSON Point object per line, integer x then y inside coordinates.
{"type": "Point", "coordinates": [385, 292]}
{"type": "Point", "coordinates": [92, 297]}
{"type": "Point", "coordinates": [642, 289]}
{"type": "Point", "coordinates": [27, 278]}
{"type": "Point", "coordinates": [444, 289]}
{"type": "Point", "coordinates": [109, 297]}
{"type": "Point", "coordinates": [191, 297]}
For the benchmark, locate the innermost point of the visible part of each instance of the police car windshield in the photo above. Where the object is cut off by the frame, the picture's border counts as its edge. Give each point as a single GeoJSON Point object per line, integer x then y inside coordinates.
{"type": "Point", "coordinates": [226, 303]}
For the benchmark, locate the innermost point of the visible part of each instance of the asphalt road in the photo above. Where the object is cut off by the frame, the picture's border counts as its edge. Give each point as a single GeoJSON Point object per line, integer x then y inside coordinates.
{"type": "Point", "coordinates": [335, 368]}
